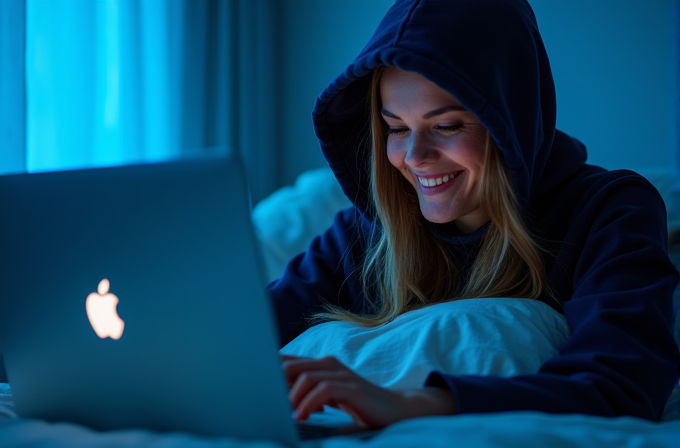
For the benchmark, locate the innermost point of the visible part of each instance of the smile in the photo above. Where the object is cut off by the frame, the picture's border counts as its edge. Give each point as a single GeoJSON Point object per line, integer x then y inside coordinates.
{"type": "Point", "coordinates": [435, 181]}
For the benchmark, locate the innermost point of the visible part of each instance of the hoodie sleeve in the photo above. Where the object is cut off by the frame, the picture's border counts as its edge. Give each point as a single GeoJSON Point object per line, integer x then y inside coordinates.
{"type": "Point", "coordinates": [323, 274]}
{"type": "Point", "coordinates": [621, 358]}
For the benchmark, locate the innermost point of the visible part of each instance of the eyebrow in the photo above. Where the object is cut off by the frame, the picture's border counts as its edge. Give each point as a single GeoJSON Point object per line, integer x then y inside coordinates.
{"type": "Point", "coordinates": [432, 113]}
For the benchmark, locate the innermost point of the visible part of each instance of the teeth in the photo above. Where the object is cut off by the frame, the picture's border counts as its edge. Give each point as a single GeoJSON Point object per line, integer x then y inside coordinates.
{"type": "Point", "coordinates": [437, 181]}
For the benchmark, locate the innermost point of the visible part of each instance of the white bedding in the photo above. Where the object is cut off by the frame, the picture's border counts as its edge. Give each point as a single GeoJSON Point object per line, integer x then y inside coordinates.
{"type": "Point", "coordinates": [507, 430]}
{"type": "Point", "coordinates": [473, 336]}
{"type": "Point", "coordinates": [457, 336]}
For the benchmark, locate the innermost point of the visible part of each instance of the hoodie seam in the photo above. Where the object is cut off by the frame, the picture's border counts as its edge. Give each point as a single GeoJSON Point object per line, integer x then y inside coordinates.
{"type": "Point", "coordinates": [402, 28]}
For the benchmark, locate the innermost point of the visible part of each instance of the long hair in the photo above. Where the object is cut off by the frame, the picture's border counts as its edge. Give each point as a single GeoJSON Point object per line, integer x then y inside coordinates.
{"type": "Point", "coordinates": [406, 267]}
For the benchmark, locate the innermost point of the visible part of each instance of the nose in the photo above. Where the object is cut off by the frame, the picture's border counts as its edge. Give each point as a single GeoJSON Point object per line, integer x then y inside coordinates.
{"type": "Point", "coordinates": [421, 150]}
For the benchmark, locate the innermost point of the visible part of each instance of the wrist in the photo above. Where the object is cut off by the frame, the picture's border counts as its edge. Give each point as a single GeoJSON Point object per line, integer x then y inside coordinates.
{"type": "Point", "coordinates": [430, 401]}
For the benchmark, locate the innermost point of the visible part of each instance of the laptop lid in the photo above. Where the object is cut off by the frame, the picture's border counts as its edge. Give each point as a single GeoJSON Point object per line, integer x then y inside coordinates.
{"type": "Point", "coordinates": [174, 241]}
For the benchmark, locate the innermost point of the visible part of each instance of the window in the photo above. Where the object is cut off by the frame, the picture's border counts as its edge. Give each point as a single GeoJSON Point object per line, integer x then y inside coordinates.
{"type": "Point", "coordinates": [113, 82]}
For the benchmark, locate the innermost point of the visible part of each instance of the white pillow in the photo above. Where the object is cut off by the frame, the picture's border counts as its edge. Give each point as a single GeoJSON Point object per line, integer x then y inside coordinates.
{"type": "Point", "coordinates": [491, 336]}
{"type": "Point", "coordinates": [288, 219]}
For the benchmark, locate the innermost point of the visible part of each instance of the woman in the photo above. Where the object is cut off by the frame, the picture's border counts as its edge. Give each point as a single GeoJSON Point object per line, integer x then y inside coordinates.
{"type": "Point", "coordinates": [442, 133]}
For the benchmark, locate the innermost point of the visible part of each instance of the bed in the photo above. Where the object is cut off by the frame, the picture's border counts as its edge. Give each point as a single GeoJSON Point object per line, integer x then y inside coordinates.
{"type": "Point", "coordinates": [303, 210]}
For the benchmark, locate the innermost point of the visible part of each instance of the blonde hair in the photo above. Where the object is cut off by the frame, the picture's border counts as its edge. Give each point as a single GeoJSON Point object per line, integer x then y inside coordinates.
{"type": "Point", "coordinates": [406, 267]}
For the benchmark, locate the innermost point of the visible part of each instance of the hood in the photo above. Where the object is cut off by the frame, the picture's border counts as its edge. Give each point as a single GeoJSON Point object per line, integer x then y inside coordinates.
{"type": "Point", "coordinates": [486, 53]}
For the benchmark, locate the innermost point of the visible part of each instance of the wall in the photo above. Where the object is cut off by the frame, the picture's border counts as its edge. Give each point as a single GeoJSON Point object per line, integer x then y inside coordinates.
{"type": "Point", "coordinates": [614, 63]}
{"type": "Point", "coordinates": [615, 69]}
{"type": "Point", "coordinates": [319, 39]}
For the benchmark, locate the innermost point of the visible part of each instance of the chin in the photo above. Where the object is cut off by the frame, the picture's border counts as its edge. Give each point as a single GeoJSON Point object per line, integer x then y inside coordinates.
{"type": "Point", "coordinates": [436, 218]}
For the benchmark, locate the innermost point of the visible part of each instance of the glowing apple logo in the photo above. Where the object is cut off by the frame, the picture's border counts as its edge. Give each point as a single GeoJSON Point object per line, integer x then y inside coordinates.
{"type": "Point", "coordinates": [101, 311]}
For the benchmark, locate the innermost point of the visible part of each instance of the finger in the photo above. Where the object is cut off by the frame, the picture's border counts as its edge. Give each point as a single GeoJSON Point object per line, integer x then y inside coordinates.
{"type": "Point", "coordinates": [332, 393]}
{"type": "Point", "coordinates": [307, 381]}
{"type": "Point", "coordinates": [354, 414]}
{"type": "Point", "coordinates": [292, 357]}
{"type": "Point", "coordinates": [293, 368]}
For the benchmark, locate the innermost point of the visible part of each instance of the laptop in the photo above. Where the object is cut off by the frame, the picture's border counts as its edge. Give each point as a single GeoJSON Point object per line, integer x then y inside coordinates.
{"type": "Point", "coordinates": [134, 297]}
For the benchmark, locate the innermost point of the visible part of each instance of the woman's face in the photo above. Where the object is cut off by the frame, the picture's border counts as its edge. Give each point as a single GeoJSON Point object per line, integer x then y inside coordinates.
{"type": "Point", "coordinates": [437, 145]}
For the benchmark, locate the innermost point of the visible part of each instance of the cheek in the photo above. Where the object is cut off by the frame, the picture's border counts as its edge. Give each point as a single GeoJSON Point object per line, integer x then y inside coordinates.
{"type": "Point", "coordinates": [471, 151]}
{"type": "Point", "coordinates": [395, 155]}
{"type": "Point", "coordinates": [478, 145]}
{"type": "Point", "coordinates": [480, 156]}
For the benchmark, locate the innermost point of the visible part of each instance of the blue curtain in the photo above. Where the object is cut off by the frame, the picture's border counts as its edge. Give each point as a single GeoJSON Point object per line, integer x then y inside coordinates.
{"type": "Point", "coordinates": [112, 82]}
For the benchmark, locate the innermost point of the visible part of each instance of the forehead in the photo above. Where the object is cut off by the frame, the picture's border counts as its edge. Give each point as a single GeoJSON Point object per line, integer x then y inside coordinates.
{"type": "Point", "coordinates": [399, 89]}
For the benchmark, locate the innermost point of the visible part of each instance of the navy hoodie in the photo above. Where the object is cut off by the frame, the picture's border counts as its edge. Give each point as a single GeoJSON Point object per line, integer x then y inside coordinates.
{"type": "Point", "coordinates": [604, 231]}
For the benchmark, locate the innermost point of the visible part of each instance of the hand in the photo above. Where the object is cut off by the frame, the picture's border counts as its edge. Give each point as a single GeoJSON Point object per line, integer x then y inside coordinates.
{"type": "Point", "coordinates": [326, 381]}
